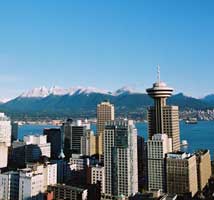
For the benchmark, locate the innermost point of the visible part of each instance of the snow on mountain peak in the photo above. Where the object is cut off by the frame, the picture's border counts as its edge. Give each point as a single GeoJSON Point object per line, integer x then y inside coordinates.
{"type": "Point", "coordinates": [36, 92]}
{"type": "Point", "coordinates": [73, 90]}
{"type": "Point", "coordinates": [55, 90]}
{"type": "Point", "coordinates": [125, 90]}
{"type": "Point", "coordinates": [89, 90]}
{"type": "Point", "coordinates": [42, 92]}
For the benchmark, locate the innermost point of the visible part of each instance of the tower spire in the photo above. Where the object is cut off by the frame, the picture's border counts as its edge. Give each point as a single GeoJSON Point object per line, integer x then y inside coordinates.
{"type": "Point", "coordinates": [158, 73]}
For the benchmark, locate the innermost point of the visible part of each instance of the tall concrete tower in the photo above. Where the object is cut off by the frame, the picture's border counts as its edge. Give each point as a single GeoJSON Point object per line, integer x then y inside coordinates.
{"type": "Point", "coordinates": [163, 118]}
{"type": "Point", "coordinates": [105, 112]}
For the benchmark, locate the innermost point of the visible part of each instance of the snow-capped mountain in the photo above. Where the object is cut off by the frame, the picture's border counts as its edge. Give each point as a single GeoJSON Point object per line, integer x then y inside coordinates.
{"type": "Point", "coordinates": [86, 90]}
{"type": "Point", "coordinates": [126, 90]}
{"type": "Point", "coordinates": [42, 92]}
{"type": "Point", "coordinates": [36, 92]}
{"type": "Point", "coordinates": [79, 101]}
{"type": "Point", "coordinates": [55, 90]}
{"type": "Point", "coordinates": [4, 100]}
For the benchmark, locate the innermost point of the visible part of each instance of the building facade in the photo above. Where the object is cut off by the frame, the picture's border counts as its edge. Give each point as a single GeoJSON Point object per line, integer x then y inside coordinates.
{"type": "Point", "coordinates": [88, 144]}
{"type": "Point", "coordinates": [96, 174]}
{"type": "Point", "coordinates": [163, 118]}
{"type": "Point", "coordinates": [34, 180]}
{"type": "Point", "coordinates": [30, 184]}
{"type": "Point", "coordinates": [9, 188]}
{"type": "Point", "coordinates": [68, 192]}
{"type": "Point", "coordinates": [36, 146]}
{"type": "Point", "coordinates": [203, 168]}
{"type": "Point", "coordinates": [105, 112]}
{"type": "Point", "coordinates": [181, 173]}
{"type": "Point", "coordinates": [73, 131]}
{"type": "Point", "coordinates": [4, 154]}
{"type": "Point", "coordinates": [5, 129]}
{"type": "Point", "coordinates": [157, 147]}
{"type": "Point", "coordinates": [120, 158]}
{"type": "Point", "coordinates": [55, 138]}
{"type": "Point", "coordinates": [14, 129]}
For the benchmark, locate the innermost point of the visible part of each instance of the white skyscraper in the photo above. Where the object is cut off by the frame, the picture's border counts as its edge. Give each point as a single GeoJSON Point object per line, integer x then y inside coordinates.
{"type": "Point", "coordinates": [120, 158]}
{"type": "Point", "coordinates": [5, 129]}
{"type": "Point", "coordinates": [157, 147]}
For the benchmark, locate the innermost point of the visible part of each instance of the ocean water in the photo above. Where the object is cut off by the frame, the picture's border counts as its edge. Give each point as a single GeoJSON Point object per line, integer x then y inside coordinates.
{"type": "Point", "coordinates": [32, 130]}
{"type": "Point", "coordinates": [198, 136]}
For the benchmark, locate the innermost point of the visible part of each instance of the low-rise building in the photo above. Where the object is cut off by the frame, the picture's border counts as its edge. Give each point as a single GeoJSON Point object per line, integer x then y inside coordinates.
{"type": "Point", "coordinates": [34, 180]}
{"type": "Point", "coordinates": [96, 174]}
{"type": "Point", "coordinates": [69, 192]}
{"type": "Point", "coordinates": [31, 184]}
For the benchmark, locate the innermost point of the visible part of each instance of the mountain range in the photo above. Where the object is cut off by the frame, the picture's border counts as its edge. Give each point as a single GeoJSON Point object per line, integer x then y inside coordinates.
{"type": "Point", "coordinates": [82, 101]}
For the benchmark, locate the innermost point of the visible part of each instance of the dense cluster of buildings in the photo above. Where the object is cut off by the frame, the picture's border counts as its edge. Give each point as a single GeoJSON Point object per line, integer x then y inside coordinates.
{"type": "Point", "coordinates": [72, 162]}
{"type": "Point", "coordinates": [207, 115]}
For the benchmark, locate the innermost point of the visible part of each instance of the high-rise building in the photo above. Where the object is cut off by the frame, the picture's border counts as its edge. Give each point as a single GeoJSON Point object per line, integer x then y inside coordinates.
{"type": "Point", "coordinates": [73, 131]}
{"type": "Point", "coordinates": [88, 144]}
{"type": "Point", "coordinates": [3, 154]}
{"type": "Point", "coordinates": [163, 118]}
{"type": "Point", "coordinates": [181, 170]}
{"type": "Point", "coordinates": [203, 168]}
{"type": "Point", "coordinates": [55, 137]}
{"type": "Point", "coordinates": [157, 147]}
{"type": "Point", "coordinates": [15, 129]}
{"type": "Point", "coordinates": [120, 158]}
{"type": "Point", "coordinates": [17, 154]}
{"type": "Point", "coordinates": [62, 167]}
{"type": "Point", "coordinates": [105, 112]}
{"type": "Point", "coordinates": [142, 163]}
{"type": "Point", "coordinates": [9, 188]}
{"type": "Point", "coordinates": [5, 129]}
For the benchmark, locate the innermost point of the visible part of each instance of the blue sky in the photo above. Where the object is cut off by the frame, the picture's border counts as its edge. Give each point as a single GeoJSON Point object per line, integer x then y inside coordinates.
{"type": "Point", "coordinates": [106, 44]}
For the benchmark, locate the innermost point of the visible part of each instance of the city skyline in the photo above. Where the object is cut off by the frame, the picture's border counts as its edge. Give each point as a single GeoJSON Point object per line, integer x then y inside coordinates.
{"type": "Point", "coordinates": [71, 43]}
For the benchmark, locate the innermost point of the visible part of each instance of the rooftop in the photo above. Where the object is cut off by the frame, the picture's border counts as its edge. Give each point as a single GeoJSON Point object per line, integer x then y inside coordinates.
{"type": "Point", "coordinates": [179, 155]}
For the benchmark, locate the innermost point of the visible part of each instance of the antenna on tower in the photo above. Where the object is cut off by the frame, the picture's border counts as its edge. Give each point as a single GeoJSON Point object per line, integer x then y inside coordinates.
{"type": "Point", "coordinates": [158, 73]}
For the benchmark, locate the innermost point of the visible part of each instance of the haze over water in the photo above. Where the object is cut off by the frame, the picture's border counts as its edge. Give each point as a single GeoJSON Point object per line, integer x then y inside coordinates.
{"type": "Point", "coordinates": [198, 136]}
